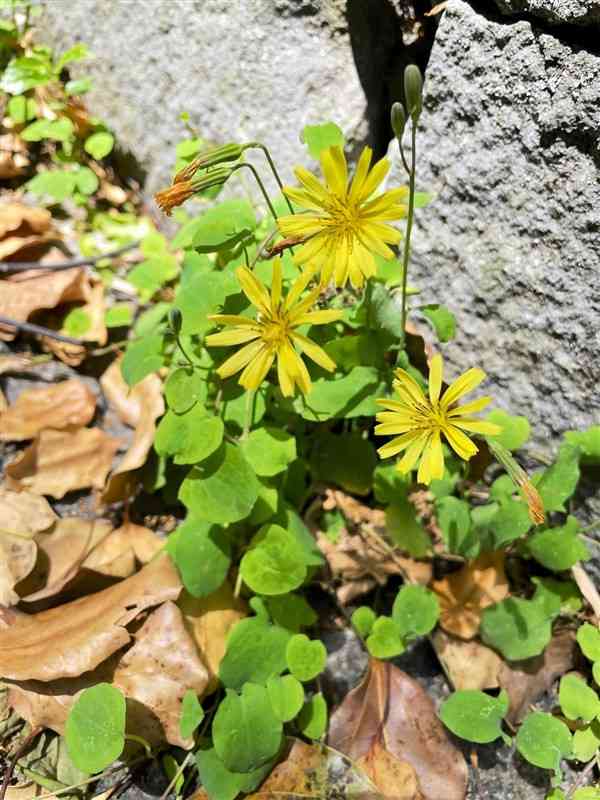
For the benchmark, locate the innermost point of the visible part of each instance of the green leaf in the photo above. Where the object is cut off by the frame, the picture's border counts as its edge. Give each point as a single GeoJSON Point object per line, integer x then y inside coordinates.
{"type": "Point", "coordinates": [77, 322]}
{"type": "Point", "coordinates": [517, 628]}
{"type": "Point", "coordinates": [150, 320]}
{"type": "Point", "coordinates": [515, 430]}
{"type": "Point", "coordinates": [203, 556]}
{"type": "Point", "coordinates": [286, 695]}
{"type": "Point", "coordinates": [219, 228]}
{"type": "Point", "coordinates": [415, 611]}
{"type": "Point", "coordinates": [586, 793]}
{"type": "Point", "coordinates": [27, 72]}
{"type": "Point", "coordinates": [95, 729]}
{"type": "Point", "coordinates": [320, 137]}
{"type": "Point", "coordinates": [60, 130]}
{"type": "Point", "coordinates": [586, 742]}
{"type": "Point", "coordinates": [202, 295]}
{"type": "Point", "coordinates": [423, 199]}
{"type": "Point", "coordinates": [577, 700]}
{"type": "Point", "coordinates": [86, 181]}
{"type": "Point", "coordinates": [305, 658]}
{"type": "Point", "coordinates": [312, 720]}
{"type": "Point", "coordinates": [293, 523]}
{"type": "Point", "coordinates": [389, 486]}
{"type": "Point", "coordinates": [363, 619]}
{"type": "Point", "coordinates": [269, 450]}
{"type": "Point", "coordinates": [76, 53]}
{"type": "Point", "coordinates": [266, 504]}
{"type": "Point", "coordinates": [474, 715]}
{"type": "Point", "coordinates": [291, 611]}
{"type": "Point", "coordinates": [221, 783]}
{"type": "Point", "coordinates": [347, 460]}
{"type": "Point", "coordinates": [56, 184]}
{"type": "Point", "coordinates": [454, 519]}
{"type": "Point", "coordinates": [255, 652]}
{"type": "Point", "coordinates": [353, 351]}
{"type": "Point", "coordinates": [246, 732]}
{"type": "Point", "coordinates": [185, 387]}
{"type": "Point", "coordinates": [234, 401]}
{"type": "Point", "coordinates": [191, 437]}
{"type": "Point", "coordinates": [20, 109]}
{"type": "Point", "coordinates": [347, 397]}
{"type": "Point", "coordinates": [588, 639]}
{"type": "Point", "coordinates": [443, 321]}
{"type": "Point", "coordinates": [192, 714]}
{"type": "Point", "coordinates": [557, 596]}
{"type": "Point", "coordinates": [142, 357]}
{"type": "Point", "coordinates": [558, 548]}
{"type": "Point", "coordinates": [383, 311]}
{"type": "Point", "coordinates": [119, 315]}
{"type": "Point", "coordinates": [510, 522]}
{"type": "Point", "coordinates": [275, 564]}
{"type": "Point", "coordinates": [99, 145]}
{"type": "Point", "coordinates": [222, 489]}
{"type": "Point", "coordinates": [385, 640]}
{"type": "Point", "coordinates": [544, 740]}
{"type": "Point", "coordinates": [79, 86]}
{"type": "Point", "coordinates": [588, 442]}
{"type": "Point", "coordinates": [404, 530]}
{"type": "Point", "coordinates": [558, 482]}
{"type": "Point", "coordinates": [152, 273]}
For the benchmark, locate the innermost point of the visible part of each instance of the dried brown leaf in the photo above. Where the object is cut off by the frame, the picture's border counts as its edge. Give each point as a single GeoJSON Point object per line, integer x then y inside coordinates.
{"type": "Point", "coordinates": [13, 156]}
{"type": "Point", "coordinates": [392, 710]}
{"type": "Point", "coordinates": [24, 513]}
{"type": "Point", "coordinates": [464, 595]}
{"type": "Point", "coordinates": [468, 665]}
{"type": "Point", "coordinates": [58, 462]}
{"type": "Point", "coordinates": [18, 220]}
{"type": "Point", "coordinates": [127, 402]}
{"type": "Point", "coordinates": [65, 404]}
{"type": "Point", "coordinates": [156, 672]}
{"type": "Point", "coordinates": [74, 638]}
{"type": "Point", "coordinates": [17, 558]}
{"type": "Point", "coordinates": [392, 777]}
{"type": "Point", "coordinates": [127, 543]}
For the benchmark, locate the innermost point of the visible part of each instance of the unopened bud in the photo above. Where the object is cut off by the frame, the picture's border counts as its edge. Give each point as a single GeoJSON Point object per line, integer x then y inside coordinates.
{"type": "Point", "coordinates": [413, 90]}
{"type": "Point", "coordinates": [175, 320]}
{"type": "Point", "coordinates": [210, 158]}
{"type": "Point", "coordinates": [178, 193]}
{"type": "Point", "coordinates": [398, 119]}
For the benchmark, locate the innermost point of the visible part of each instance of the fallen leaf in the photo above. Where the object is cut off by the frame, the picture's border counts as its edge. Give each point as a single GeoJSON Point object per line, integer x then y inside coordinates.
{"type": "Point", "coordinates": [392, 777]}
{"type": "Point", "coordinates": [62, 554]}
{"type": "Point", "coordinates": [464, 595]}
{"type": "Point", "coordinates": [65, 404]}
{"type": "Point", "coordinates": [94, 308]}
{"type": "Point", "coordinates": [17, 558]}
{"type": "Point", "coordinates": [23, 230]}
{"type": "Point", "coordinates": [209, 620]}
{"type": "Point", "coordinates": [126, 402]}
{"type": "Point", "coordinates": [24, 513]}
{"type": "Point", "coordinates": [58, 462]}
{"type": "Point", "coordinates": [142, 543]}
{"type": "Point", "coordinates": [467, 664]}
{"type": "Point", "coordinates": [73, 638]}
{"type": "Point", "coordinates": [391, 710]}
{"type": "Point", "coordinates": [526, 681]}
{"type": "Point", "coordinates": [156, 672]}
{"type": "Point", "coordinates": [13, 156]}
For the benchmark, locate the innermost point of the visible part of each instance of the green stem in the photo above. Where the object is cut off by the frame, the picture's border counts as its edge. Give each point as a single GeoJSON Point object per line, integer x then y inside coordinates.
{"type": "Point", "coordinates": [409, 224]}
{"type": "Point", "coordinates": [132, 737]}
{"type": "Point", "coordinates": [185, 355]}
{"type": "Point", "coordinates": [245, 165]}
{"type": "Point", "coordinates": [248, 414]}
{"type": "Point", "coordinates": [273, 170]}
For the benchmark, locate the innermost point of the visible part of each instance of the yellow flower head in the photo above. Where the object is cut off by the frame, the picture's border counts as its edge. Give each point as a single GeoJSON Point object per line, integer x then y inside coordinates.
{"type": "Point", "coordinates": [417, 421]}
{"type": "Point", "coordinates": [273, 335]}
{"type": "Point", "coordinates": [344, 225]}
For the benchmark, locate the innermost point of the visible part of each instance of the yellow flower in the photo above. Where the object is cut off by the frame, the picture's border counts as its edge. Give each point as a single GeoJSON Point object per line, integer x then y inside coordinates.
{"type": "Point", "coordinates": [273, 335]}
{"type": "Point", "coordinates": [344, 225]}
{"type": "Point", "coordinates": [417, 422]}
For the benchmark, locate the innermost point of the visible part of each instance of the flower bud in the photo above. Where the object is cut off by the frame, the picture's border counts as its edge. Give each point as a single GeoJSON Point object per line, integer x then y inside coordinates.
{"type": "Point", "coordinates": [210, 158]}
{"type": "Point", "coordinates": [413, 90]}
{"type": "Point", "coordinates": [398, 119]}
{"type": "Point", "coordinates": [175, 320]}
{"type": "Point", "coordinates": [179, 192]}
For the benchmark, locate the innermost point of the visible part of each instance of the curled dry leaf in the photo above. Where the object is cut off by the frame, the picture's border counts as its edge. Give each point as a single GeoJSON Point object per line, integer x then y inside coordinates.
{"type": "Point", "coordinates": [13, 156]}
{"type": "Point", "coordinates": [126, 402]}
{"type": "Point", "coordinates": [23, 230]}
{"type": "Point", "coordinates": [156, 672]}
{"type": "Point", "coordinates": [468, 665]}
{"type": "Point", "coordinates": [94, 308]}
{"type": "Point", "coordinates": [58, 462]}
{"type": "Point", "coordinates": [65, 404]}
{"type": "Point", "coordinates": [392, 777]}
{"type": "Point", "coordinates": [526, 681]}
{"type": "Point", "coordinates": [17, 558]}
{"type": "Point", "coordinates": [130, 542]}
{"type": "Point", "coordinates": [74, 638]}
{"type": "Point", "coordinates": [209, 620]}
{"type": "Point", "coordinates": [24, 513]}
{"type": "Point", "coordinates": [389, 711]}
{"type": "Point", "coordinates": [464, 595]}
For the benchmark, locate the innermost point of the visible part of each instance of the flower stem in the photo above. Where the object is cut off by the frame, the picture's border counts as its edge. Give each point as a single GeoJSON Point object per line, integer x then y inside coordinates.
{"type": "Point", "coordinates": [248, 416]}
{"type": "Point", "coordinates": [409, 224]}
{"type": "Point", "coordinates": [262, 147]}
{"type": "Point", "coordinates": [260, 183]}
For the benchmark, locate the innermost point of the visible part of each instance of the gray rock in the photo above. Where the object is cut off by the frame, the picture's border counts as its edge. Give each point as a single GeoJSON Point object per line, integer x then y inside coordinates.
{"type": "Point", "coordinates": [555, 12]}
{"type": "Point", "coordinates": [244, 70]}
{"type": "Point", "coordinates": [509, 142]}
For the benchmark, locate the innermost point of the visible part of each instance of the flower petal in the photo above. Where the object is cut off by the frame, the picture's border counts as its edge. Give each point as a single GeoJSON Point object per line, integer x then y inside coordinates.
{"type": "Point", "coordinates": [374, 178]}
{"type": "Point", "coordinates": [297, 288]}
{"type": "Point", "coordinates": [256, 371]}
{"type": "Point", "coordinates": [432, 463]}
{"type": "Point", "coordinates": [319, 317]}
{"type": "Point", "coordinates": [234, 336]}
{"type": "Point", "coordinates": [239, 359]}
{"type": "Point", "coordinates": [360, 174]}
{"type": "Point", "coordinates": [470, 408]}
{"type": "Point", "coordinates": [314, 352]}
{"type": "Point", "coordinates": [436, 366]}
{"type": "Point", "coordinates": [232, 319]}
{"type": "Point", "coordinates": [393, 428]}
{"type": "Point", "coordinates": [254, 289]}
{"type": "Point", "coordinates": [411, 456]}
{"type": "Point", "coordinates": [399, 443]}
{"type": "Point", "coordinates": [462, 385]}
{"type": "Point", "coordinates": [335, 170]}
{"type": "Point", "coordinates": [477, 426]}
{"type": "Point", "coordinates": [312, 184]}
{"type": "Point", "coordinates": [411, 388]}
{"type": "Point", "coordinates": [295, 367]}
{"type": "Point", "coordinates": [460, 442]}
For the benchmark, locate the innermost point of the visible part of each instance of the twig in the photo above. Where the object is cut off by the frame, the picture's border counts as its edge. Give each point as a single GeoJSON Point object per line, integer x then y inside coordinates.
{"type": "Point", "coordinates": [38, 330]}
{"type": "Point", "coordinates": [24, 746]}
{"type": "Point", "coordinates": [587, 588]}
{"type": "Point", "coordinates": [175, 777]}
{"type": "Point", "coordinates": [581, 778]}
{"type": "Point", "coordinates": [80, 261]}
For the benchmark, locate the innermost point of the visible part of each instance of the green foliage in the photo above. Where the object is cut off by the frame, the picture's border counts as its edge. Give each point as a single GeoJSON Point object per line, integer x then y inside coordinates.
{"type": "Point", "coordinates": [588, 639]}
{"type": "Point", "coordinates": [347, 460]}
{"type": "Point", "coordinates": [141, 358]}
{"type": "Point", "coordinates": [586, 742]}
{"type": "Point", "coordinates": [275, 564]}
{"type": "Point", "coordinates": [517, 628]}
{"type": "Point", "coordinates": [184, 387]}
{"type": "Point", "coordinates": [577, 699]}
{"type": "Point", "coordinates": [558, 548]}
{"type": "Point", "coordinates": [312, 720]}
{"type": "Point", "coordinates": [544, 740]}
{"type": "Point", "coordinates": [95, 729]}
{"type": "Point", "coordinates": [221, 783]}
{"type": "Point", "coordinates": [192, 714]}
{"type": "Point", "coordinates": [454, 519]}
{"type": "Point", "coordinates": [99, 144]}
{"type": "Point", "coordinates": [404, 529]}
{"type": "Point", "coordinates": [363, 619]}
{"type": "Point", "coordinates": [269, 450]}
{"type": "Point", "coordinates": [588, 442]}
{"type": "Point", "coordinates": [415, 611]}
{"type": "Point", "coordinates": [319, 137]}
{"type": "Point", "coordinates": [515, 430]}
{"type": "Point", "coordinates": [203, 556]}
{"type": "Point", "coordinates": [557, 483]}
{"type": "Point", "coordinates": [305, 658]}
{"type": "Point", "coordinates": [474, 715]}
{"type": "Point", "coordinates": [442, 319]}
{"type": "Point", "coordinates": [385, 639]}
{"type": "Point", "coordinates": [255, 652]}
{"type": "Point", "coordinates": [291, 611]}
{"type": "Point", "coordinates": [189, 438]}
{"type": "Point", "coordinates": [286, 696]}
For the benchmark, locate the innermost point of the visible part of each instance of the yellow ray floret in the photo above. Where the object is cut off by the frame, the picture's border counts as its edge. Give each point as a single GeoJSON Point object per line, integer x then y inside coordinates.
{"type": "Point", "coordinates": [272, 335]}
{"type": "Point", "coordinates": [417, 421]}
{"type": "Point", "coordinates": [344, 225]}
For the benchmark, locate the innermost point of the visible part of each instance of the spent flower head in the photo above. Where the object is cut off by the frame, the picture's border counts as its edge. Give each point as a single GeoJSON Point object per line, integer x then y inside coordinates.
{"type": "Point", "coordinates": [417, 422]}
{"type": "Point", "coordinates": [273, 335]}
{"type": "Point", "coordinates": [181, 190]}
{"type": "Point", "coordinates": [344, 225]}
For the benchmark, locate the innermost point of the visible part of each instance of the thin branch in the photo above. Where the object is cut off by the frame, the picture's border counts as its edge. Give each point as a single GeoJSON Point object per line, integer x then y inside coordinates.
{"type": "Point", "coordinates": [587, 588]}
{"type": "Point", "coordinates": [38, 330]}
{"type": "Point", "coordinates": [23, 748]}
{"type": "Point", "coordinates": [80, 261]}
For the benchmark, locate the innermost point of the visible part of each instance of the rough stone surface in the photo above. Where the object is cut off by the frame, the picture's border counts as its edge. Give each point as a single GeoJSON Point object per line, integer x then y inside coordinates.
{"type": "Point", "coordinates": [555, 12]}
{"type": "Point", "coordinates": [243, 69]}
{"type": "Point", "coordinates": [509, 142]}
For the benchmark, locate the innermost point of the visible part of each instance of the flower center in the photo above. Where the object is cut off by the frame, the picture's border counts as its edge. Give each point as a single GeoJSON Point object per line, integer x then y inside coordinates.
{"type": "Point", "coordinates": [274, 330]}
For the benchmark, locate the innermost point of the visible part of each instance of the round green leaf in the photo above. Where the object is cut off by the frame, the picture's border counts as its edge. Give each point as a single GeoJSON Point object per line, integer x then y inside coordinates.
{"type": "Point", "coordinates": [517, 628]}
{"type": "Point", "coordinates": [184, 388]}
{"type": "Point", "coordinates": [442, 319]}
{"type": "Point", "coordinates": [384, 640]}
{"type": "Point", "coordinates": [220, 782]}
{"type": "Point", "coordinates": [95, 730]}
{"type": "Point", "coordinates": [363, 620]}
{"type": "Point", "coordinates": [474, 715]}
{"type": "Point", "coordinates": [246, 732]}
{"type": "Point", "coordinates": [192, 714]}
{"type": "Point", "coordinates": [305, 658]}
{"type": "Point", "coordinates": [119, 315]}
{"type": "Point", "coordinates": [222, 489]}
{"type": "Point", "coordinates": [587, 793]}
{"type": "Point", "coordinates": [320, 137]}
{"type": "Point", "coordinates": [142, 357]}
{"type": "Point", "coordinates": [348, 460]}
{"type": "Point", "coordinates": [255, 652]}
{"type": "Point", "coordinates": [276, 564]}
{"type": "Point", "coordinates": [291, 611]}
{"type": "Point", "coordinates": [86, 180]}
{"type": "Point", "coordinates": [558, 548]}
{"type": "Point", "coordinates": [99, 145]}
{"type": "Point", "coordinates": [515, 430]}
{"type": "Point", "coordinates": [415, 611]}
{"type": "Point", "coordinates": [544, 740]}
{"type": "Point", "coordinates": [586, 742]}
{"type": "Point", "coordinates": [189, 438]}
{"type": "Point", "coordinates": [286, 695]}
{"type": "Point", "coordinates": [588, 638]}
{"type": "Point", "coordinates": [596, 672]}
{"type": "Point", "coordinates": [578, 700]}
{"type": "Point", "coordinates": [269, 450]}
{"type": "Point", "coordinates": [312, 720]}
{"type": "Point", "coordinates": [77, 322]}
{"type": "Point", "coordinates": [404, 529]}
{"type": "Point", "coordinates": [203, 556]}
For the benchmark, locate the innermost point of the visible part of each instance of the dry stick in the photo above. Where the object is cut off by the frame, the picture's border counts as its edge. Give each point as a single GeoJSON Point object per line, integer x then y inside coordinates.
{"type": "Point", "coordinates": [80, 261]}
{"type": "Point", "coordinates": [38, 330]}
{"type": "Point", "coordinates": [13, 762]}
{"type": "Point", "coordinates": [175, 777]}
{"type": "Point", "coordinates": [587, 588]}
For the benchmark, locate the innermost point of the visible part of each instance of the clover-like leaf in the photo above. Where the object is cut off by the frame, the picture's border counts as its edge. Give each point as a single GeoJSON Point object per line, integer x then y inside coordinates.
{"type": "Point", "coordinates": [558, 548]}
{"type": "Point", "coordinates": [192, 714]}
{"type": "Point", "coordinates": [305, 658]}
{"type": "Point", "coordinates": [385, 640]}
{"type": "Point", "coordinates": [95, 729]}
{"type": "Point", "coordinates": [312, 720]}
{"type": "Point", "coordinates": [474, 715]}
{"type": "Point", "coordinates": [184, 388]}
{"type": "Point", "coordinates": [286, 695]}
{"type": "Point", "coordinates": [363, 619]}
{"type": "Point", "coordinates": [588, 638]}
{"type": "Point", "coordinates": [577, 699]}
{"type": "Point", "coordinates": [416, 611]}
{"type": "Point", "coordinates": [269, 450]}
{"type": "Point", "coordinates": [275, 564]}
{"type": "Point", "coordinates": [544, 740]}
{"type": "Point", "coordinates": [517, 628]}
{"type": "Point", "coordinates": [255, 652]}
{"type": "Point", "coordinates": [515, 430]}
{"type": "Point", "coordinates": [203, 556]}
